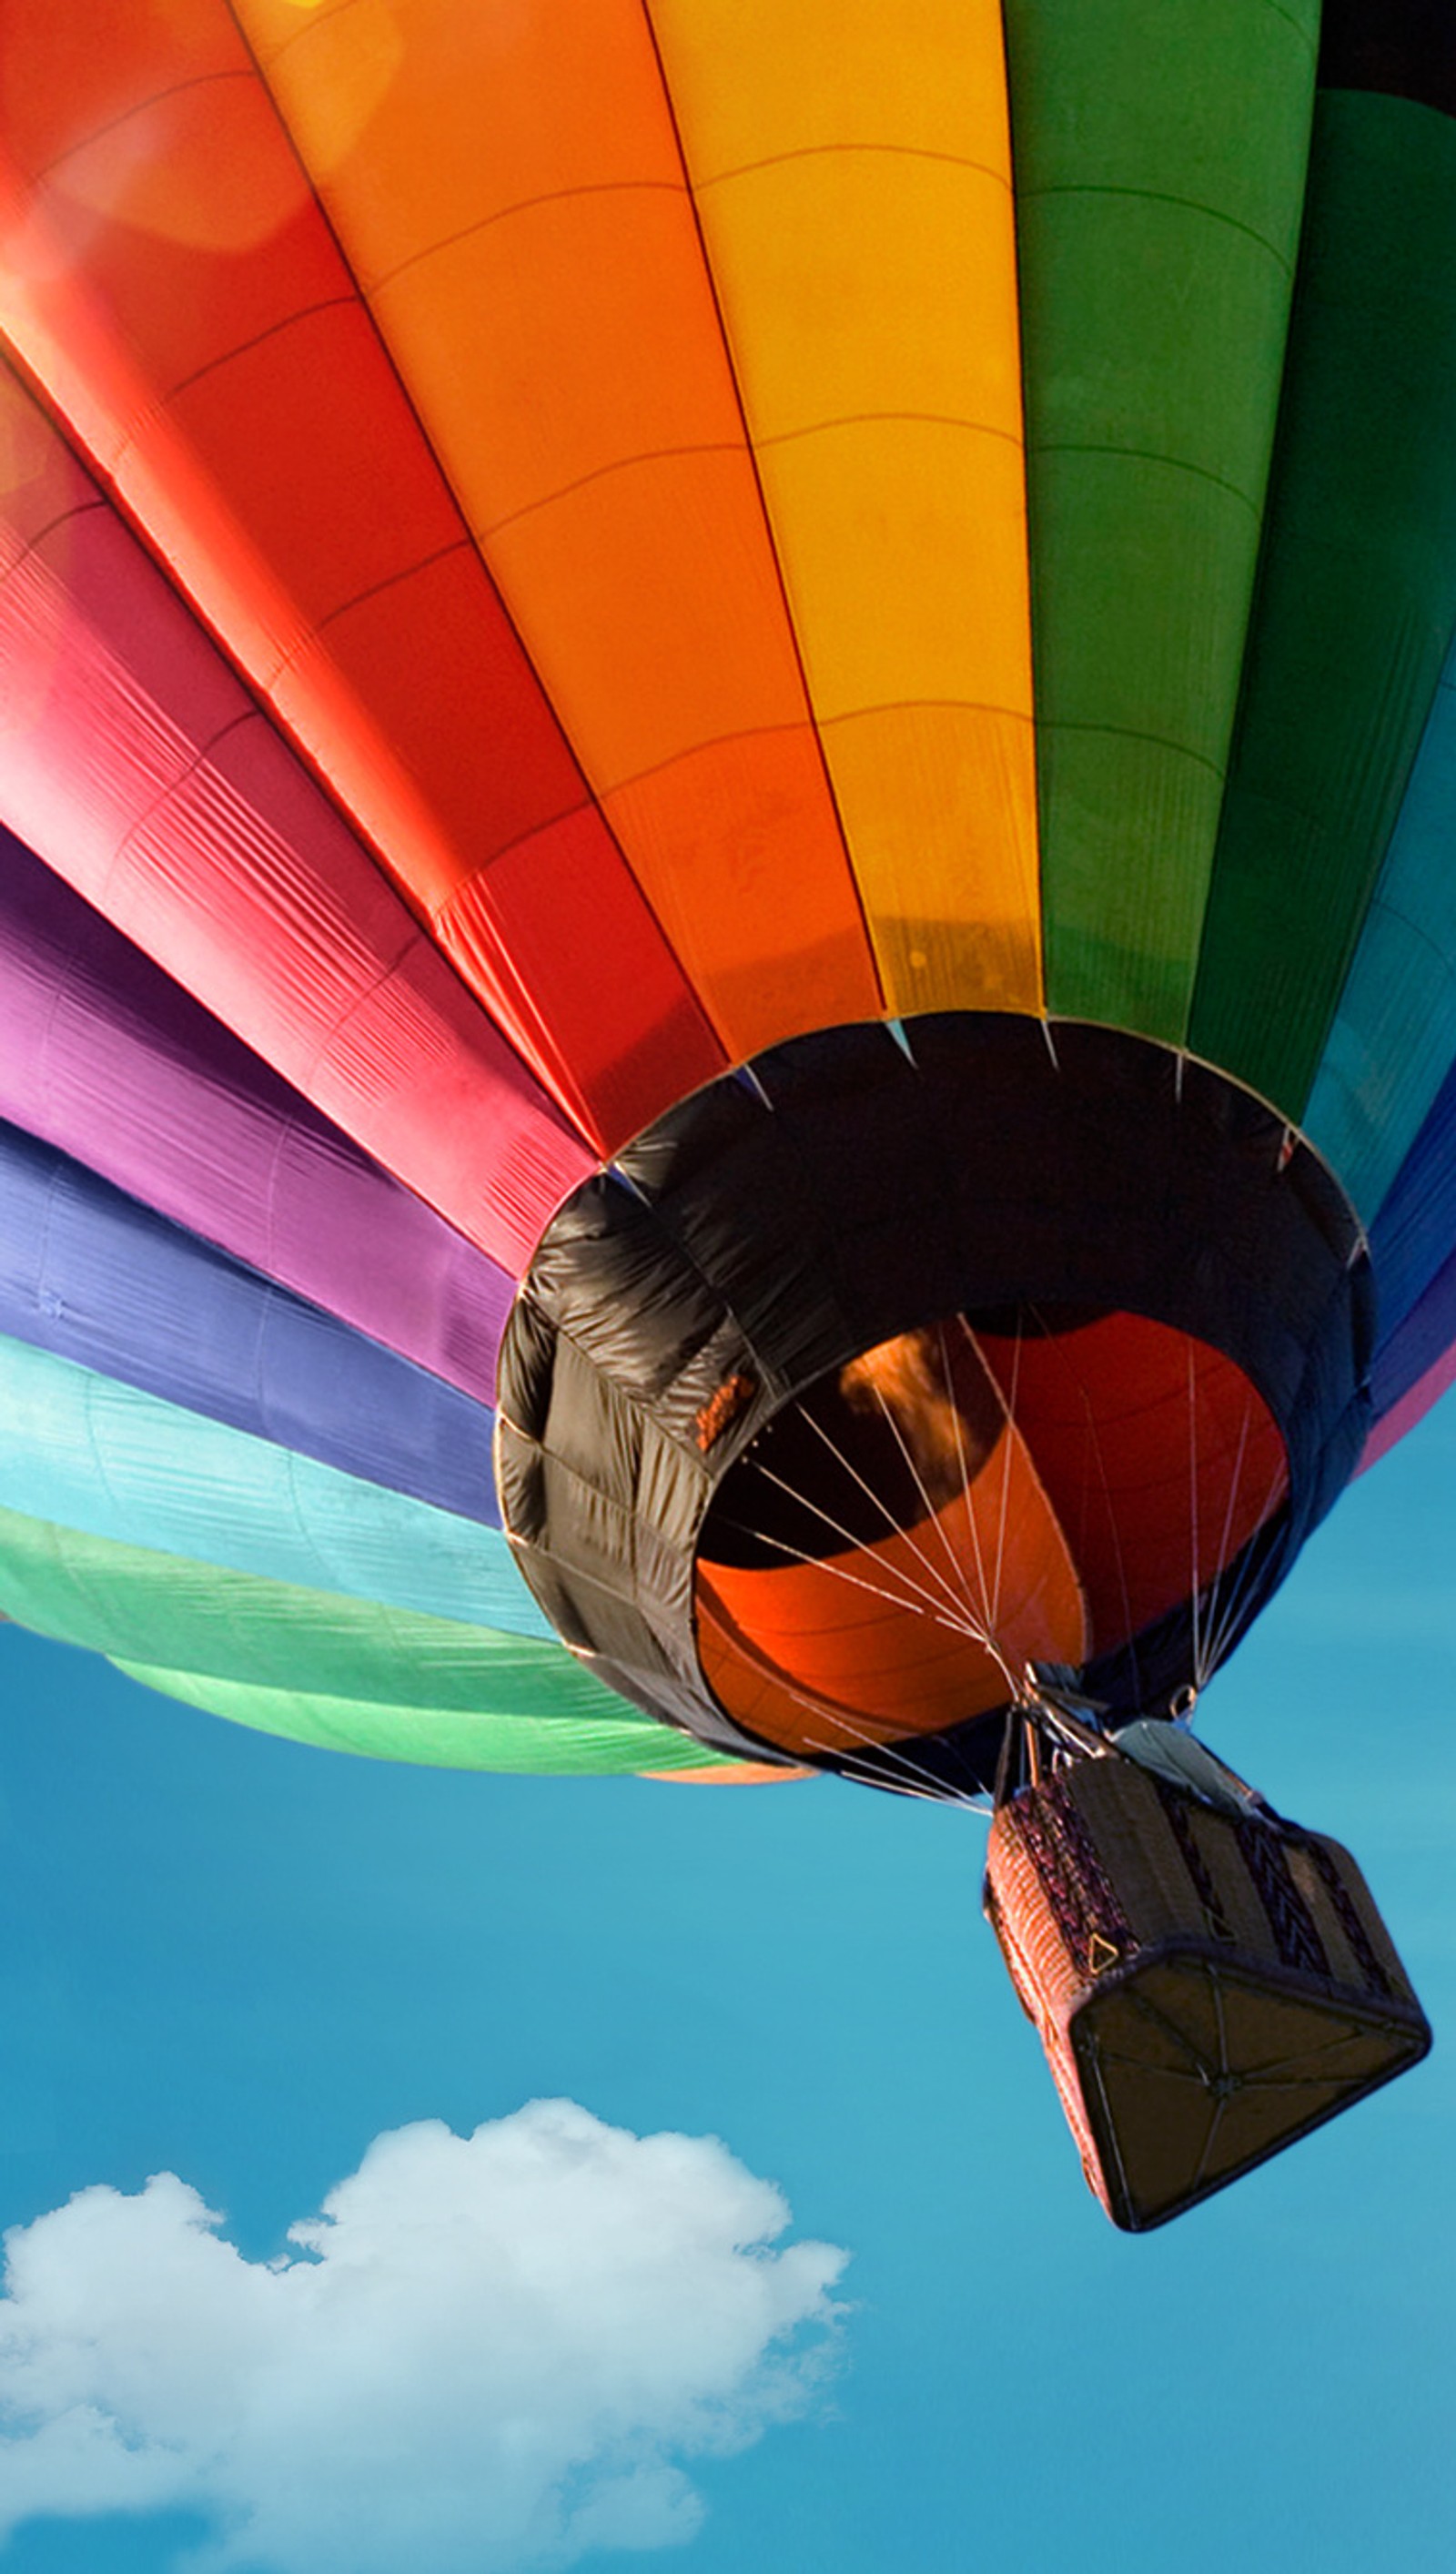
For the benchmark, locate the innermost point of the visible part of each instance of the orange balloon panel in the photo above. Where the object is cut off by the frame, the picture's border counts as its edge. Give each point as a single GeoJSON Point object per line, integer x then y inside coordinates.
{"type": "Point", "coordinates": [731, 1773]}
{"type": "Point", "coordinates": [181, 294]}
{"type": "Point", "coordinates": [1049, 1493]}
{"type": "Point", "coordinates": [509, 190]}
{"type": "Point", "coordinates": [830, 143]}
{"type": "Point", "coordinates": [1159, 1457]}
{"type": "Point", "coordinates": [899, 1633]}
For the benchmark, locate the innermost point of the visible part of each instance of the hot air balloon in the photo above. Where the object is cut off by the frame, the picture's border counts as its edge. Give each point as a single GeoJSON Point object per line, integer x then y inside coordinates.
{"type": "Point", "coordinates": [728, 952]}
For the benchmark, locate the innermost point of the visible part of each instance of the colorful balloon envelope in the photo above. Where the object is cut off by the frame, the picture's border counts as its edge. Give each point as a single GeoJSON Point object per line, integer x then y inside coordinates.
{"type": "Point", "coordinates": [726, 924]}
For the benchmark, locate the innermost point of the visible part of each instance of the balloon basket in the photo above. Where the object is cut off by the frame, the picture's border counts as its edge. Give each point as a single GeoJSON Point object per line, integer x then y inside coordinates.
{"type": "Point", "coordinates": [1207, 1989]}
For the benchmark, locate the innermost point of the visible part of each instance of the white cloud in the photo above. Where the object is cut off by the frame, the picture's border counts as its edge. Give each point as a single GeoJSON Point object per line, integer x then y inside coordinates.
{"type": "Point", "coordinates": [488, 2351]}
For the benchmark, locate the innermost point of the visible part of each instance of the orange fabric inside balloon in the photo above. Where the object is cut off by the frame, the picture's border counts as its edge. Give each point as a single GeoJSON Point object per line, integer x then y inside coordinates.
{"type": "Point", "coordinates": [886, 1558]}
{"type": "Point", "coordinates": [915, 1628]}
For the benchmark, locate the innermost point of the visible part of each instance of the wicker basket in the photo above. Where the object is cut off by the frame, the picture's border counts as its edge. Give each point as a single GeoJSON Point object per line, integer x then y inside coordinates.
{"type": "Point", "coordinates": [1206, 1987]}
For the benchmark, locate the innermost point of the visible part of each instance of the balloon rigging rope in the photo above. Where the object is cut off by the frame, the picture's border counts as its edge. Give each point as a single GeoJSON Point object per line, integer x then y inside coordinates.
{"type": "Point", "coordinates": [921, 1604]}
{"type": "Point", "coordinates": [969, 1621]}
{"type": "Point", "coordinates": [887, 1514]}
{"type": "Point", "coordinates": [1214, 1628]}
{"type": "Point", "coordinates": [966, 1618]}
{"type": "Point", "coordinates": [938, 1789]}
{"type": "Point", "coordinates": [935, 1791]}
{"type": "Point", "coordinates": [1006, 1476]}
{"type": "Point", "coordinates": [987, 1614]}
{"type": "Point", "coordinates": [936, 1602]}
{"type": "Point", "coordinates": [975, 1524]}
{"type": "Point", "coordinates": [1247, 1572]}
{"type": "Point", "coordinates": [1205, 1664]}
{"type": "Point", "coordinates": [958, 1570]}
{"type": "Point", "coordinates": [1214, 1618]}
{"type": "Point", "coordinates": [1114, 1524]}
{"type": "Point", "coordinates": [956, 1609]}
{"type": "Point", "coordinates": [1193, 1508]}
{"type": "Point", "coordinates": [929, 1785]}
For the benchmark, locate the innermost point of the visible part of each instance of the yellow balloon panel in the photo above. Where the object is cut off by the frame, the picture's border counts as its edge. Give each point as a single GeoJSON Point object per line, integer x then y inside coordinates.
{"type": "Point", "coordinates": [949, 780]}
{"type": "Point", "coordinates": [871, 284]}
{"type": "Point", "coordinates": [827, 145]}
{"type": "Point", "coordinates": [760, 79]}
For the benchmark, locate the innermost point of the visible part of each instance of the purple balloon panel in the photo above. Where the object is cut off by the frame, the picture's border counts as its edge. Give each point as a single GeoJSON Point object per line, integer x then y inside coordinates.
{"type": "Point", "coordinates": [108, 1059]}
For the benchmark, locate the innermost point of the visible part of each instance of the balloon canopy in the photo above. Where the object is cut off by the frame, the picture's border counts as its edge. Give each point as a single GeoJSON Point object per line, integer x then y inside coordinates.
{"type": "Point", "coordinates": [728, 778]}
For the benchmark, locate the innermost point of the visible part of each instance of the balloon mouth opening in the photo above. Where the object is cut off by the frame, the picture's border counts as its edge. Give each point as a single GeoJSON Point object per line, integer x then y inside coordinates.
{"type": "Point", "coordinates": [854, 1385]}
{"type": "Point", "coordinates": [986, 1490]}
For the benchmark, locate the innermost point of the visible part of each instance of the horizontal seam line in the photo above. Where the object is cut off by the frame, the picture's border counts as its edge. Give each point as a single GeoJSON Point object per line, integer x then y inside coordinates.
{"type": "Point", "coordinates": [460, 545]}
{"type": "Point", "coordinates": [199, 760]}
{"type": "Point", "coordinates": [1129, 733]}
{"type": "Point", "coordinates": [821, 150]}
{"type": "Point", "coordinates": [33, 543]}
{"type": "Point", "coordinates": [316, 18]}
{"type": "Point", "coordinates": [909, 705]}
{"type": "Point", "coordinates": [274, 330]}
{"type": "Point", "coordinates": [618, 465]}
{"type": "Point", "coordinates": [139, 107]}
{"type": "Point", "coordinates": [519, 840]}
{"type": "Point", "coordinates": [809, 722]}
{"type": "Point", "coordinates": [1162, 197]}
{"type": "Point", "coordinates": [1418, 930]}
{"type": "Point", "coordinates": [1145, 456]}
{"type": "Point", "coordinates": [800, 723]}
{"type": "Point", "coordinates": [864, 419]}
{"type": "Point", "coordinates": [524, 205]}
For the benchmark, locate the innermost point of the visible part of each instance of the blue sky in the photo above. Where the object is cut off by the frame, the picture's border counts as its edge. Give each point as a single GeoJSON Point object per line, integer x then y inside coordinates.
{"type": "Point", "coordinates": [239, 1962]}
